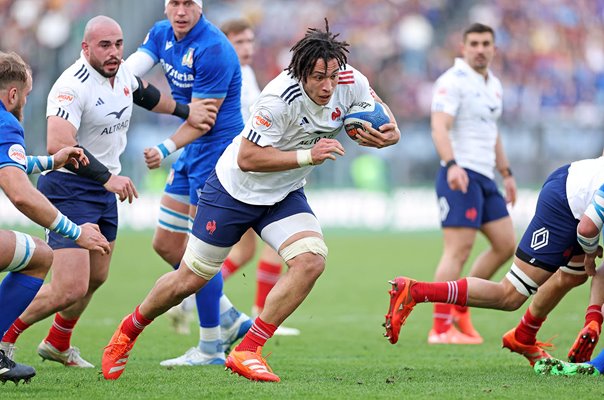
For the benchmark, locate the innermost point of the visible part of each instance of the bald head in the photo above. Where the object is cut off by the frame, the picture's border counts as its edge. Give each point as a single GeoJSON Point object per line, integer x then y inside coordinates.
{"type": "Point", "coordinates": [100, 24]}
{"type": "Point", "coordinates": [103, 45]}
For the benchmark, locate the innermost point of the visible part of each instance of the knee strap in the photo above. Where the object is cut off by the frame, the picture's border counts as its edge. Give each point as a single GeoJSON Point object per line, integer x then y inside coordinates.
{"type": "Point", "coordinates": [309, 244]}
{"type": "Point", "coordinates": [204, 259]}
{"type": "Point", "coordinates": [24, 251]}
{"type": "Point", "coordinates": [523, 284]}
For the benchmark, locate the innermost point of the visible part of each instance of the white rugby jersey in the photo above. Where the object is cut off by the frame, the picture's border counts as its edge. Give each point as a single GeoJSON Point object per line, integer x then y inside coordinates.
{"type": "Point", "coordinates": [249, 91]}
{"type": "Point", "coordinates": [284, 117]}
{"type": "Point", "coordinates": [100, 113]}
{"type": "Point", "coordinates": [476, 105]}
{"type": "Point", "coordinates": [584, 178]}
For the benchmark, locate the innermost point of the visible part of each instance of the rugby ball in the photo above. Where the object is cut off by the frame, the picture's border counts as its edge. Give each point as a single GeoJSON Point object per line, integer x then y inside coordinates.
{"type": "Point", "coordinates": [364, 113]}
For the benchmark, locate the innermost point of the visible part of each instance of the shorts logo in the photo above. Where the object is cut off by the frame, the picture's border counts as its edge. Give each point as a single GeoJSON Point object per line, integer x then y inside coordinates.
{"type": "Point", "coordinates": [471, 214]}
{"type": "Point", "coordinates": [17, 153]}
{"type": "Point", "coordinates": [539, 239]}
{"type": "Point", "coordinates": [444, 208]}
{"type": "Point", "coordinates": [211, 227]}
{"type": "Point", "coordinates": [262, 119]}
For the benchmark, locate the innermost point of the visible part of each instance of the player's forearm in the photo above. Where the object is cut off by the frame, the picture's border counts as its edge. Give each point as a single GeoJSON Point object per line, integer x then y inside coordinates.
{"type": "Point", "coordinates": [441, 125]}
{"type": "Point", "coordinates": [501, 161]}
{"type": "Point", "coordinates": [185, 134]}
{"type": "Point", "coordinates": [252, 158]}
{"type": "Point", "coordinates": [26, 198]}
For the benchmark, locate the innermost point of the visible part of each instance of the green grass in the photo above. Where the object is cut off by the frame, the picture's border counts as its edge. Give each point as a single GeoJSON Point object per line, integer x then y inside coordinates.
{"type": "Point", "coordinates": [341, 353]}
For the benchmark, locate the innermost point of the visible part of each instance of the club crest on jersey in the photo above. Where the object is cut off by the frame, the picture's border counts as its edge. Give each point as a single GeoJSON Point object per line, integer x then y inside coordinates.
{"type": "Point", "coordinates": [187, 59]}
{"type": "Point", "coordinates": [262, 119]}
{"type": "Point", "coordinates": [126, 91]}
{"type": "Point", "coordinates": [65, 96]}
{"type": "Point", "coordinates": [336, 114]}
{"type": "Point", "coordinates": [17, 153]}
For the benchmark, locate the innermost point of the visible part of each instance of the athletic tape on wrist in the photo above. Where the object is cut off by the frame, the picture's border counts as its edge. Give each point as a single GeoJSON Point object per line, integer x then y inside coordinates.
{"type": "Point", "coordinates": [166, 148]}
{"type": "Point", "coordinates": [65, 227]}
{"type": "Point", "coordinates": [37, 164]}
{"type": "Point", "coordinates": [304, 157]}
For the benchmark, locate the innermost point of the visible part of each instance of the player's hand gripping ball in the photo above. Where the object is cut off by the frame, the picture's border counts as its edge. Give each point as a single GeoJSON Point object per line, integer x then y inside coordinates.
{"type": "Point", "coordinates": [364, 113]}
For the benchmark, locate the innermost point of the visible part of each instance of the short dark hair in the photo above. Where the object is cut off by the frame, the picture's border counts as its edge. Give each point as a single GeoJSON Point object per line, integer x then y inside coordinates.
{"type": "Point", "coordinates": [315, 45]}
{"type": "Point", "coordinates": [234, 26]}
{"type": "Point", "coordinates": [477, 27]}
{"type": "Point", "coordinates": [13, 69]}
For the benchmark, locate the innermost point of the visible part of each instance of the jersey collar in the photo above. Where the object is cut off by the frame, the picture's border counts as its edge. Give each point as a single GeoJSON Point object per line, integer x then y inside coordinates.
{"type": "Point", "coordinates": [461, 63]}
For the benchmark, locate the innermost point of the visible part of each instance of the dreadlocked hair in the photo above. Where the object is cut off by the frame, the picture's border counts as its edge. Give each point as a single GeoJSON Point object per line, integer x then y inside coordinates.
{"type": "Point", "coordinates": [315, 45]}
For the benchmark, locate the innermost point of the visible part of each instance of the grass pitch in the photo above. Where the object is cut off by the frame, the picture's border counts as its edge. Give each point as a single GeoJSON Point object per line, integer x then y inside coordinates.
{"type": "Point", "coordinates": [341, 353]}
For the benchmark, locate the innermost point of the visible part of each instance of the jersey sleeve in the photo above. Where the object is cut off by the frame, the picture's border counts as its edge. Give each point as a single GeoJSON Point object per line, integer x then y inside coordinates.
{"type": "Point", "coordinates": [12, 146]}
{"type": "Point", "coordinates": [66, 102]}
{"type": "Point", "coordinates": [445, 96]}
{"type": "Point", "coordinates": [214, 71]}
{"type": "Point", "coordinates": [362, 91]}
{"type": "Point", "coordinates": [150, 44]}
{"type": "Point", "coordinates": [268, 122]}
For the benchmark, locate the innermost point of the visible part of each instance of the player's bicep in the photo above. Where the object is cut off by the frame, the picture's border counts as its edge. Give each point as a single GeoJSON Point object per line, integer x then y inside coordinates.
{"type": "Point", "coordinates": [441, 121]}
{"type": "Point", "coordinates": [61, 133]}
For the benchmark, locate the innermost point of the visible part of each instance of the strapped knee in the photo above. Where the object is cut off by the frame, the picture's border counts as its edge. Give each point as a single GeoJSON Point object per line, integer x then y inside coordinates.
{"type": "Point", "coordinates": [310, 244]}
{"type": "Point", "coordinates": [574, 268]}
{"type": "Point", "coordinates": [204, 259]}
{"type": "Point", "coordinates": [24, 251]}
{"type": "Point", "coordinates": [523, 284]}
{"type": "Point", "coordinates": [173, 221]}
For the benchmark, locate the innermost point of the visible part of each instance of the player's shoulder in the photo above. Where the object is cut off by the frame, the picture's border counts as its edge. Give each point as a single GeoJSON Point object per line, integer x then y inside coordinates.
{"type": "Point", "coordinates": [284, 89]}
{"type": "Point", "coordinates": [77, 76]}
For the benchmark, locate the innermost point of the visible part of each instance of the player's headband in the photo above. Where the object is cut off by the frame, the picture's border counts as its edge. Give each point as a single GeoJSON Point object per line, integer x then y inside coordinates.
{"type": "Point", "coordinates": [198, 2]}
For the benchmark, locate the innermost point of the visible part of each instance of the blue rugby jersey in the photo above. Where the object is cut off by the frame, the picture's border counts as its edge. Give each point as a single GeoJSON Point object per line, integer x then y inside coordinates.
{"type": "Point", "coordinates": [203, 64]}
{"type": "Point", "coordinates": [12, 141]}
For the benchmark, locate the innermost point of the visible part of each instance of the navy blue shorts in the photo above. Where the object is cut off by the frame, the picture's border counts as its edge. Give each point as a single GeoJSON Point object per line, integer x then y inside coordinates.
{"type": "Point", "coordinates": [482, 202]}
{"type": "Point", "coordinates": [189, 173]}
{"type": "Point", "coordinates": [81, 200]}
{"type": "Point", "coordinates": [221, 220]}
{"type": "Point", "coordinates": [550, 240]}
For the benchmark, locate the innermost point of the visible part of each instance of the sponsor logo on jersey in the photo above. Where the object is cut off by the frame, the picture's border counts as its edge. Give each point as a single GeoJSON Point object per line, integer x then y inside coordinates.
{"type": "Point", "coordinates": [262, 119]}
{"type": "Point", "coordinates": [17, 153]}
{"type": "Point", "coordinates": [211, 227]}
{"type": "Point", "coordinates": [539, 239]}
{"type": "Point", "coordinates": [65, 96]}
{"type": "Point", "coordinates": [178, 79]}
{"type": "Point", "coordinates": [187, 59]}
{"type": "Point", "coordinates": [108, 130]}
{"type": "Point", "coordinates": [118, 114]}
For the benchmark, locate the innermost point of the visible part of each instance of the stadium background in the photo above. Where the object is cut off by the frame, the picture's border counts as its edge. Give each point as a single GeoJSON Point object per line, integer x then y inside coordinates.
{"type": "Point", "coordinates": [551, 62]}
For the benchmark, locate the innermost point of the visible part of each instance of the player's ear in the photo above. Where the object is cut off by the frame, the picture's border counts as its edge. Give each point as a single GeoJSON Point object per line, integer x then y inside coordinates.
{"type": "Point", "coordinates": [13, 93]}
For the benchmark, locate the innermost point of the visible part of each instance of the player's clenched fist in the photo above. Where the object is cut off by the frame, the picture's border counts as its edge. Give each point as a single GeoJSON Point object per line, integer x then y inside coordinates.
{"type": "Point", "coordinates": [70, 155]}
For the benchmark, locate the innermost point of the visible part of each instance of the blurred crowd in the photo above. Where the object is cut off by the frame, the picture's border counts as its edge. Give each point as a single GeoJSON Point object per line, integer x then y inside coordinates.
{"type": "Point", "coordinates": [550, 52]}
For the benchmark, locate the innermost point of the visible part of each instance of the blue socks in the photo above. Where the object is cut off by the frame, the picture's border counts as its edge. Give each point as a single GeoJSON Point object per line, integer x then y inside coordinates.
{"type": "Point", "coordinates": [16, 292]}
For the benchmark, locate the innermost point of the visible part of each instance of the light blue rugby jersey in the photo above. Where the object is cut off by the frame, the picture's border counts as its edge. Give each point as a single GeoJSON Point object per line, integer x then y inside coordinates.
{"type": "Point", "coordinates": [12, 142]}
{"type": "Point", "coordinates": [203, 64]}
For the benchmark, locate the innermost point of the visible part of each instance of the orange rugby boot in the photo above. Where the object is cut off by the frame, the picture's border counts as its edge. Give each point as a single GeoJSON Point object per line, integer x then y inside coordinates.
{"type": "Point", "coordinates": [250, 365]}
{"type": "Point", "coordinates": [585, 343]}
{"type": "Point", "coordinates": [116, 353]}
{"type": "Point", "coordinates": [401, 305]}
{"type": "Point", "coordinates": [463, 322]}
{"type": "Point", "coordinates": [532, 352]}
{"type": "Point", "coordinates": [452, 336]}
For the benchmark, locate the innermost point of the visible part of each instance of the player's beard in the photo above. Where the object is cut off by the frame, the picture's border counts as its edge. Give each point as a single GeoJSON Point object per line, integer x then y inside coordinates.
{"type": "Point", "coordinates": [18, 112]}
